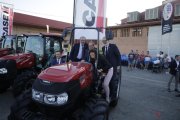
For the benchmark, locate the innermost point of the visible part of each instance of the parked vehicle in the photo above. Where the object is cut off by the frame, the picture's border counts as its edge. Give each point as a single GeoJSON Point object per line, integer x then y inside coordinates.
{"type": "Point", "coordinates": [33, 54]}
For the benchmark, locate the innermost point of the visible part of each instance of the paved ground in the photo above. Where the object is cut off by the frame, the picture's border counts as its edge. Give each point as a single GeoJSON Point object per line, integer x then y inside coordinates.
{"type": "Point", "coordinates": [143, 96]}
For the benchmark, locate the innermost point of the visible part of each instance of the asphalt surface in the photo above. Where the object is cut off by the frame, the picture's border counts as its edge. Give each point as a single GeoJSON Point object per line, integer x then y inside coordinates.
{"type": "Point", "coordinates": [143, 96]}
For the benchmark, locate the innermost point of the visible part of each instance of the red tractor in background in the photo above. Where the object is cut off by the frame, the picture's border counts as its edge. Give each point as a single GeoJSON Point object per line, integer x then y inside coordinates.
{"type": "Point", "coordinates": [33, 55]}
{"type": "Point", "coordinates": [7, 45]}
{"type": "Point", "coordinates": [67, 91]}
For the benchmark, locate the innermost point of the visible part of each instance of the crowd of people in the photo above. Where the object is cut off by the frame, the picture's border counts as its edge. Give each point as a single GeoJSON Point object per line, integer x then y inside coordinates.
{"type": "Point", "coordinates": [87, 52]}
{"type": "Point", "coordinates": [145, 61]}
{"type": "Point", "coordinates": [161, 61]}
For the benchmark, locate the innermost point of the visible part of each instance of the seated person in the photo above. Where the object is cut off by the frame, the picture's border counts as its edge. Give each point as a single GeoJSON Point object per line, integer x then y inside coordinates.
{"type": "Point", "coordinates": [103, 66]}
{"type": "Point", "coordinates": [58, 58]}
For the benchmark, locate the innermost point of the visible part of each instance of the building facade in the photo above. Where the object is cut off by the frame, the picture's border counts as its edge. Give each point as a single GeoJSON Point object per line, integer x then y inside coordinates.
{"type": "Point", "coordinates": [28, 24]}
{"type": "Point", "coordinates": [142, 31]}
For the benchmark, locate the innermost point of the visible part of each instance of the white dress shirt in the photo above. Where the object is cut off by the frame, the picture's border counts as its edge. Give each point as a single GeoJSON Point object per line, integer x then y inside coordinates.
{"type": "Point", "coordinates": [59, 61]}
{"type": "Point", "coordinates": [80, 52]}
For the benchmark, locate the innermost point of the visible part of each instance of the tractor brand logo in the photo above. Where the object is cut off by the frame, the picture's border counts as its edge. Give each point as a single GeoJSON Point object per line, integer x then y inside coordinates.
{"type": "Point", "coordinates": [93, 15]}
{"type": "Point", "coordinates": [6, 18]}
{"type": "Point", "coordinates": [89, 21]}
{"type": "Point", "coordinates": [90, 14]}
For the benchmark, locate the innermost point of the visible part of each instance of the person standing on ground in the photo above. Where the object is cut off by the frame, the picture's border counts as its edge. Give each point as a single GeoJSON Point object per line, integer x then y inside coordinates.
{"type": "Point", "coordinates": [174, 71]}
{"type": "Point", "coordinates": [131, 58]}
{"type": "Point", "coordinates": [141, 60]}
{"type": "Point", "coordinates": [147, 60]}
{"type": "Point", "coordinates": [179, 74]}
{"type": "Point", "coordinates": [136, 59]}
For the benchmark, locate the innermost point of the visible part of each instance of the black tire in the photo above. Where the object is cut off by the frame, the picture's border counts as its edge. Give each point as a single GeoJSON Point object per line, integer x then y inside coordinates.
{"type": "Point", "coordinates": [23, 107]}
{"type": "Point", "coordinates": [23, 82]}
{"type": "Point", "coordinates": [4, 87]}
{"type": "Point", "coordinates": [115, 87]}
{"type": "Point", "coordinates": [6, 80]}
{"type": "Point", "coordinates": [95, 109]}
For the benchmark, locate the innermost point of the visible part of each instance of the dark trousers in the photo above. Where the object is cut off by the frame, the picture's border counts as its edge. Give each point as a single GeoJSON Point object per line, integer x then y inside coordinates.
{"type": "Point", "coordinates": [176, 80]}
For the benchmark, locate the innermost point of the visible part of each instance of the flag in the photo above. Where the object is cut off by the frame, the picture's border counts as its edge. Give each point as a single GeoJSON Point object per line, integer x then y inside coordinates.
{"type": "Point", "coordinates": [6, 19]}
{"type": "Point", "coordinates": [167, 18]}
{"type": "Point", "coordinates": [90, 13]}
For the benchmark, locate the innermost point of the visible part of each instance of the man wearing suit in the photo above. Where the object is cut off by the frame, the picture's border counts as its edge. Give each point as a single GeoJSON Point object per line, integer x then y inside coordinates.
{"type": "Point", "coordinates": [112, 54]}
{"type": "Point", "coordinates": [174, 71]}
{"type": "Point", "coordinates": [58, 58]}
{"type": "Point", "coordinates": [79, 50]}
{"type": "Point", "coordinates": [179, 74]}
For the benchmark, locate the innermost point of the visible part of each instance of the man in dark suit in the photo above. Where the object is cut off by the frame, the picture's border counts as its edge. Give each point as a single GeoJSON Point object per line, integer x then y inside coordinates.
{"type": "Point", "coordinates": [58, 58]}
{"type": "Point", "coordinates": [79, 50]}
{"type": "Point", "coordinates": [174, 71]}
{"type": "Point", "coordinates": [112, 54]}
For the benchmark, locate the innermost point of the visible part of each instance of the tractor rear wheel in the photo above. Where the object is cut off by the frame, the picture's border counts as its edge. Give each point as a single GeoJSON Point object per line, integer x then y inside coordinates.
{"type": "Point", "coordinates": [23, 82]}
{"type": "Point", "coordinates": [95, 109]}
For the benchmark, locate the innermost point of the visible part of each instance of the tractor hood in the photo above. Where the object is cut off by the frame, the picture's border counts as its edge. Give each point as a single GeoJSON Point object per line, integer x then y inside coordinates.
{"type": "Point", "coordinates": [23, 60]}
{"type": "Point", "coordinates": [5, 51]}
{"type": "Point", "coordinates": [15, 56]}
{"type": "Point", "coordinates": [65, 72]}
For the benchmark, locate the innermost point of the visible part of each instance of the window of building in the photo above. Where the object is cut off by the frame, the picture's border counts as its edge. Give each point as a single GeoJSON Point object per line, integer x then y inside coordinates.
{"type": "Point", "coordinates": [177, 10]}
{"type": "Point", "coordinates": [151, 14]}
{"type": "Point", "coordinates": [137, 32]}
{"type": "Point", "coordinates": [125, 32]}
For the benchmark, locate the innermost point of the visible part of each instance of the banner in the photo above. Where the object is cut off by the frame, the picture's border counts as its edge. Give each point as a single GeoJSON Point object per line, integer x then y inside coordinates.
{"type": "Point", "coordinates": [90, 13]}
{"type": "Point", "coordinates": [6, 19]}
{"type": "Point", "coordinates": [167, 18]}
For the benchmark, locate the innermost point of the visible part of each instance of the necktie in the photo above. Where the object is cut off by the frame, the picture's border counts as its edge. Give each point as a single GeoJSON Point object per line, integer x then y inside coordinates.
{"type": "Point", "coordinates": [59, 61]}
{"type": "Point", "coordinates": [82, 51]}
{"type": "Point", "coordinates": [106, 50]}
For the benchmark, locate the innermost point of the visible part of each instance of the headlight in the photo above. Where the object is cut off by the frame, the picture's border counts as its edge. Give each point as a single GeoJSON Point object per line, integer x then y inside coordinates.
{"type": "Point", "coordinates": [50, 99]}
{"type": "Point", "coordinates": [37, 95]}
{"type": "Point", "coordinates": [3, 71]}
{"type": "Point", "coordinates": [62, 98]}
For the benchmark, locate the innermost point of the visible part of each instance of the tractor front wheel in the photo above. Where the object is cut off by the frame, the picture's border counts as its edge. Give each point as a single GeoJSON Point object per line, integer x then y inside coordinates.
{"type": "Point", "coordinates": [23, 82]}
{"type": "Point", "coordinates": [95, 109]}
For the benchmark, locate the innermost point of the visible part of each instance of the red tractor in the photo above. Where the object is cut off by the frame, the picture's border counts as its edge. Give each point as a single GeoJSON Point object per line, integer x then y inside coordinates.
{"type": "Point", "coordinates": [65, 92]}
{"type": "Point", "coordinates": [33, 55]}
{"type": "Point", "coordinates": [7, 45]}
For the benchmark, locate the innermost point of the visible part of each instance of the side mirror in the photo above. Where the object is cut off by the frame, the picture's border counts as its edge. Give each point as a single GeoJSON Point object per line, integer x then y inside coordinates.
{"type": "Point", "coordinates": [109, 35]}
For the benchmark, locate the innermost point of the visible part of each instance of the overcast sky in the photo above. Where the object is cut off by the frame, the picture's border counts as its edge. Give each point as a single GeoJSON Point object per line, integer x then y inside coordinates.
{"type": "Point", "coordinates": [62, 10]}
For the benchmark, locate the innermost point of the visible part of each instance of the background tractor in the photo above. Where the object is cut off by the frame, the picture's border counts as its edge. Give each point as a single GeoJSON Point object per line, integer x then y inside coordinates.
{"type": "Point", "coordinates": [7, 45]}
{"type": "Point", "coordinates": [33, 55]}
{"type": "Point", "coordinates": [67, 91]}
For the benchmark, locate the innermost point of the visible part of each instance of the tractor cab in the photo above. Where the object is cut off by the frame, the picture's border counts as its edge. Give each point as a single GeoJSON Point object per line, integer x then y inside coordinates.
{"type": "Point", "coordinates": [7, 45]}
